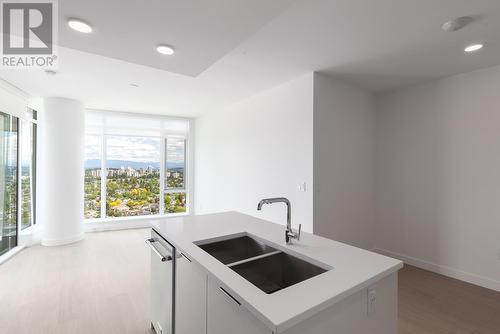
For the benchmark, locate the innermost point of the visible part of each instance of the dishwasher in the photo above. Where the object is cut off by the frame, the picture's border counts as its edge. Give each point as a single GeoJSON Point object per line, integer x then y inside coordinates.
{"type": "Point", "coordinates": [162, 284]}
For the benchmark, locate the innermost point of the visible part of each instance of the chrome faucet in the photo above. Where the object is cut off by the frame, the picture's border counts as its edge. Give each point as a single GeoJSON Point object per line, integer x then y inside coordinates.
{"type": "Point", "coordinates": [289, 233]}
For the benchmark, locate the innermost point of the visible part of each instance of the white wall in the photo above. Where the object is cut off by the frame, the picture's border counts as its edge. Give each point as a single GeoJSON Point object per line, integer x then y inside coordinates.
{"type": "Point", "coordinates": [13, 101]}
{"type": "Point", "coordinates": [258, 148]}
{"type": "Point", "coordinates": [344, 136]}
{"type": "Point", "coordinates": [438, 176]}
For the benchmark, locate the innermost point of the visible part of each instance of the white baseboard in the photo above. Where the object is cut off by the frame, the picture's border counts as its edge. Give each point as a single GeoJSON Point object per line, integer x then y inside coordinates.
{"type": "Point", "coordinates": [64, 241]}
{"type": "Point", "coordinates": [112, 226]}
{"type": "Point", "coordinates": [444, 270]}
{"type": "Point", "coordinates": [7, 256]}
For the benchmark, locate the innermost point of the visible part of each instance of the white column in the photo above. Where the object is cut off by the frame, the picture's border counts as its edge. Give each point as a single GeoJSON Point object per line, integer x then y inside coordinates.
{"type": "Point", "coordinates": [61, 174]}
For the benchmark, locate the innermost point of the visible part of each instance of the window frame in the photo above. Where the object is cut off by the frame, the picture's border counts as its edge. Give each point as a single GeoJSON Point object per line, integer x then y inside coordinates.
{"type": "Point", "coordinates": [33, 122]}
{"type": "Point", "coordinates": [163, 137]}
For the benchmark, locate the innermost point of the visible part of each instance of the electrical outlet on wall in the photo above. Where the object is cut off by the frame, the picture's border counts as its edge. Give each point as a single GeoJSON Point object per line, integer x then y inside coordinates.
{"type": "Point", "coordinates": [371, 301]}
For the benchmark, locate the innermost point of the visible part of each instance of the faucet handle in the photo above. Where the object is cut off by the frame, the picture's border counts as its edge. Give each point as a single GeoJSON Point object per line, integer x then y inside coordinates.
{"type": "Point", "coordinates": [290, 234]}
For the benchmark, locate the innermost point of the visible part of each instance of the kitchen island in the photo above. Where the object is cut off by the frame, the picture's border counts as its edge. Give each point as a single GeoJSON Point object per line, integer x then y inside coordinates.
{"type": "Point", "coordinates": [324, 286]}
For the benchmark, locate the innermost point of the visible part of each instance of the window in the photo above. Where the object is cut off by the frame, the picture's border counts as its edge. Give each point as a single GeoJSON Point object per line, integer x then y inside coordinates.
{"type": "Point", "coordinates": [133, 176]}
{"type": "Point", "coordinates": [92, 184]}
{"type": "Point", "coordinates": [176, 150]}
{"type": "Point", "coordinates": [142, 157]}
{"type": "Point", "coordinates": [17, 176]}
{"type": "Point", "coordinates": [175, 187]}
{"type": "Point", "coordinates": [8, 181]}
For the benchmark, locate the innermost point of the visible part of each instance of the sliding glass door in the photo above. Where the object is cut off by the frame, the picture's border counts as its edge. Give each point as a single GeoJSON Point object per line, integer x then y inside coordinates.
{"type": "Point", "coordinates": [9, 127]}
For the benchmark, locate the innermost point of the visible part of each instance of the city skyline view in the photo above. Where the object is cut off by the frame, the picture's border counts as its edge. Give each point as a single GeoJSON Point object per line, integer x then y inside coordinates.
{"type": "Point", "coordinates": [133, 176]}
{"type": "Point", "coordinates": [116, 164]}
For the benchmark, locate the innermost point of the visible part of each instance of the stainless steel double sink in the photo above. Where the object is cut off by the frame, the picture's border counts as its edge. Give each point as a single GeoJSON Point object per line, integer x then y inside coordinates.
{"type": "Point", "coordinates": [266, 267]}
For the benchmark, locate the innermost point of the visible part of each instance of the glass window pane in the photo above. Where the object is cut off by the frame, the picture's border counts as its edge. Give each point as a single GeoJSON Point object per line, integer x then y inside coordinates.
{"type": "Point", "coordinates": [175, 163]}
{"type": "Point", "coordinates": [26, 174]}
{"type": "Point", "coordinates": [92, 200]}
{"type": "Point", "coordinates": [8, 182]}
{"type": "Point", "coordinates": [133, 176]}
{"type": "Point", "coordinates": [175, 202]}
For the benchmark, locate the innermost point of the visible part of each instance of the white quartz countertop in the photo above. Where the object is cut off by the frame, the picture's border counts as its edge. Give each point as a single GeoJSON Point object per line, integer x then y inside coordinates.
{"type": "Point", "coordinates": [353, 268]}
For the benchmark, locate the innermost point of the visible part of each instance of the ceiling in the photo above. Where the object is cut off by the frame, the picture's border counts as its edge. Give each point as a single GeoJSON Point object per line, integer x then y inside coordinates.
{"type": "Point", "coordinates": [379, 45]}
{"type": "Point", "coordinates": [201, 31]}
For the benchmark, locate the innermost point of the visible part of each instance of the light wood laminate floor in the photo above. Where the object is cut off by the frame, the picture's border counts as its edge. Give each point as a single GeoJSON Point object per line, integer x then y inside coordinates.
{"type": "Point", "coordinates": [101, 285]}
{"type": "Point", "coordinates": [434, 304]}
{"type": "Point", "coordinates": [98, 285]}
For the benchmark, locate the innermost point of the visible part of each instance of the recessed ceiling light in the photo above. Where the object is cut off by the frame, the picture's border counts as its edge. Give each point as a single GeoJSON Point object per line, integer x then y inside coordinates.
{"type": "Point", "coordinates": [473, 47]}
{"type": "Point", "coordinates": [165, 49]}
{"type": "Point", "coordinates": [79, 25]}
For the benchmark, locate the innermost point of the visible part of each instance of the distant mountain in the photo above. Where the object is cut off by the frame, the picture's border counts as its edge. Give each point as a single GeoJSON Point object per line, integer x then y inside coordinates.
{"type": "Point", "coordinates": [92, 163]}
{"type": "Point", "coordinates": [95, 163]}
{"type": "Point", "coordinates": [175, 165]}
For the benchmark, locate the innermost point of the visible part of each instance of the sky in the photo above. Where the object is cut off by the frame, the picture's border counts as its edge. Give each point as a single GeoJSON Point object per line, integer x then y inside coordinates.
{"type": "Point", "coordinates": [138, 149]}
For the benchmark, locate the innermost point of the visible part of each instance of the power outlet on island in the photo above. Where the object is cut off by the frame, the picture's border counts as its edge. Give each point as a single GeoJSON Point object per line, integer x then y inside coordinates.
{"type": "Point", "coordinates": [372, 299]}
{"type": "Point", "coordinates": [302, 187]}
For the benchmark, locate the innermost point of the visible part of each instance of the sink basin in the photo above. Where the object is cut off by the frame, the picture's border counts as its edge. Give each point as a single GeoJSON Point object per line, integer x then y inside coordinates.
{"type": "Point", "coordinates": [265, 267]}
{"type": "Point", "coordinates": [278, 271]}
{"type": "Point", "coordinates": [236, 249]}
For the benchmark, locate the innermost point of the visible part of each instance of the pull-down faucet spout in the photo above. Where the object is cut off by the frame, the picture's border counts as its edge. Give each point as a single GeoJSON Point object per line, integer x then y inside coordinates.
{"type": "Point", "coordinates": [289, 233]}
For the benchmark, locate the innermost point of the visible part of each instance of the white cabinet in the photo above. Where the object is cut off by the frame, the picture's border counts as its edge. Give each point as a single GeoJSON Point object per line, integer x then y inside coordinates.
{"type": "Point", "coordinates": [226, 315]}
{"type": "Point", "coordinates": [161, 284]}
{"type": "Point", "coordinates": [190, 297]}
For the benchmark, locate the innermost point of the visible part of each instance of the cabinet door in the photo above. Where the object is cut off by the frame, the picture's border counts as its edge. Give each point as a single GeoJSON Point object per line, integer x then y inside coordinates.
{"type": "Point", "coordinates": [227, 316]}
{"type": "Point", "coordinates": [190, 297]}
{"type": "Point", "coordinates": [161, 285]}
